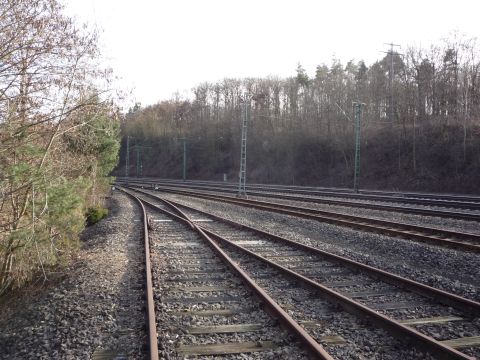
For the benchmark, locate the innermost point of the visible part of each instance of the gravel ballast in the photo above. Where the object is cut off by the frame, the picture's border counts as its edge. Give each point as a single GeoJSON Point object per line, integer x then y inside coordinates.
{"type": "Point", "coordinates": [98, 305]}
{"type": "Point", "coordinates": [450, 270]}
{"type": "Point", "coordinates": [178, 252]}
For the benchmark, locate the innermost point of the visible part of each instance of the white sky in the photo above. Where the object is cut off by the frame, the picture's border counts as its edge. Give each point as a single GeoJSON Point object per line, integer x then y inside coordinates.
{"type": "Point", "coordinates": [158, 47]}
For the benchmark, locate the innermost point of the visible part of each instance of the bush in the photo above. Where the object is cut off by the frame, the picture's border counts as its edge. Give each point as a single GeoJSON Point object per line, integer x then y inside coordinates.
{"type": "Point", "coordinates": [95, 214]}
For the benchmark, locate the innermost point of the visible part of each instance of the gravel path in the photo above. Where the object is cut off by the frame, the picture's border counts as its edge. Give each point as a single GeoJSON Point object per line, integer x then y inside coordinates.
{"type": "Point", "coordinates": [98, 305]}
{"type": "Point", "coordinates": [447, 269]}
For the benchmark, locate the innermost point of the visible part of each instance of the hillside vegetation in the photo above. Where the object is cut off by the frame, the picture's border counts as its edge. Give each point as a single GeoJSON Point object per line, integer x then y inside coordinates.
{"type": "Point", "coordinates": [59, 139]}
{"type": "Point", "coordinates": [420, 125]}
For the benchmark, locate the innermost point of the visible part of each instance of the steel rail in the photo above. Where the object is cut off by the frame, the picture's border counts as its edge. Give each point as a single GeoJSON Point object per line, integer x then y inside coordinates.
{"type": "Point", "coordinates": [469, 216]}
{"type": "Point", "coordinates": [312, 189]}
{"type": "Point", "coordinates": [151, 319]}
{"type": "Point", "coordinates": [392, 208]}
{"type": "Point", "coordinates": [313, 347]}
{"type": "Point", "coordinates": [401, 331]}
{"type": "Point", "coordinates": [472, 203]}
{"type": "Point", "coordinates": [465, 305]}
{"type": "Point", "coordinates": [352, 306]}
{"type": "Point", "coordinates": [412, 232]}
{"type": "Point", "coordinates": [346, 191]}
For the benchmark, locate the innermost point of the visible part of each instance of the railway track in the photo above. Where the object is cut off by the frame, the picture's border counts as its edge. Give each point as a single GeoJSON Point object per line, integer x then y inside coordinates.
{"type": "Point", "coordinates": [459, 215]}
{"type": "Point", "coordinates": [325, 195]}
{"type": "Point", "coordinates": [150, 309]}
{"type": "Point", "coordinates": [203, 306]}
{"type": "Point", "coordinates": [358, 289]}
{"type": "Point", "coordinates": [195, 280]}
{"type": "Point", "coordinates": [439, 237]}
{"type": "Point", "coordinates": [347, 191]}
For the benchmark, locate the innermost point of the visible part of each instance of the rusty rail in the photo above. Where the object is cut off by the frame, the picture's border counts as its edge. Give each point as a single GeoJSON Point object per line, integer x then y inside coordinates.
{"type": "Point", "coordinates": [461, 202]}
{"type": "Point", "coordinates": [151, 320]}
{"type": "Point", "coordinates": [311, 198]}
{"type": "Point", "coordinates": [401, 331]}
{"type": "Point", "coordinates": [466, 305]}
{"type": "Point", "coordinates": [408, 231]}
{"type": "Point", "coordinates": [352, 306]}
{"type": "Point", "coordinates": [312, 346]}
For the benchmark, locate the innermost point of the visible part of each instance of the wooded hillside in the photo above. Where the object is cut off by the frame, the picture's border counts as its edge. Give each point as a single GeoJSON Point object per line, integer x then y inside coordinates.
{"type": "Point", "coordinates": [420, 125]}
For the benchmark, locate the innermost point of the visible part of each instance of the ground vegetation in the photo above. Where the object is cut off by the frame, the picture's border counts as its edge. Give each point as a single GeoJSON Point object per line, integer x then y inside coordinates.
{"type": "Point", "coordinates": [59, 136]}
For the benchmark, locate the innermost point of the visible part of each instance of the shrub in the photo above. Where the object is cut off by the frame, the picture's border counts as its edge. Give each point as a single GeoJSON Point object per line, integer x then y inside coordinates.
{"type": "Point", "coordinates": [95, 214]}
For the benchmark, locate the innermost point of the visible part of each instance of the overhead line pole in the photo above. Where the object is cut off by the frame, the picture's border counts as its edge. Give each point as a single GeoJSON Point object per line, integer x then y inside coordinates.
{"type": "Point", "coordinates": [127, 164]}
{"type": "Point", "coordinates": [391, 76]}
{"type": "Point", "coordinates": [184, 159]}
{"type": "Point", "coordinates": [184, 170]}
{"type": "Point", "coordinates": [242, 175]}
{"type": "Point", "coordinates": [138, 161]}
{"type": "Point", "coordinates": [357, 108]}
{"type": "Point", "coordinates": [139, 164]}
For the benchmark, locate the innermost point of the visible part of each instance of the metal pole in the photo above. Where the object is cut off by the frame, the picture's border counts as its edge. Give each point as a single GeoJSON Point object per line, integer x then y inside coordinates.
{"type": "Point", "coordinates": [357, 106]}
{"type": "Point", "coordinates": [242, 175]}
{"type": "Point", "coordinates": [184, 159]}
{"type": "Point", "coordinates": [391, 76]}
{"type": "Point", "coordinates": [128, 157]}
{"type": "Point", "coordinates": [138, 161]}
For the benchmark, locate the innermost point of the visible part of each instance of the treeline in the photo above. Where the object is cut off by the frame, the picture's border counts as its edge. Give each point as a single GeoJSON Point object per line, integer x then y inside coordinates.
{"type": "Point", "coordinates": [59, 139]}
{"type": "Point", "coordinates": [420, 125]}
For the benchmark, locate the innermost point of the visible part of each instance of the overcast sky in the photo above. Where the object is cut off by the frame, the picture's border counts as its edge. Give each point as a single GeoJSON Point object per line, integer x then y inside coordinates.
{"type": "Point", "coordinates": [159, 47]}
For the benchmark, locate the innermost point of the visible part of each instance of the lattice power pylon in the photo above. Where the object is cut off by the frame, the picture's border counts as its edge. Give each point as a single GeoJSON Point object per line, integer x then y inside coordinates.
{"type": "Point", "coordinates": [357, 109]}
{"type": "Point", "coordinates": [127, 158]}
{"type": "Point", "coordinates": [242, 175]}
